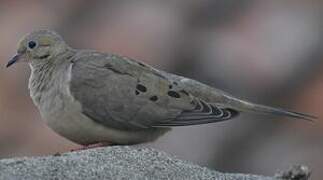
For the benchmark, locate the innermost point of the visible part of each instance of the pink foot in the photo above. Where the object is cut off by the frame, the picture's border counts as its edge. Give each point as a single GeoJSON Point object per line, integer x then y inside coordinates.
{"type": "Point", "coordinates": [90, 146]}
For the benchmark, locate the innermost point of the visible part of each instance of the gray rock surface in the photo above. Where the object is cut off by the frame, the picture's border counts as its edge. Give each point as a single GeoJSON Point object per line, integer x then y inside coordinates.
{"type": "Point", "coordinates": [111, 163]}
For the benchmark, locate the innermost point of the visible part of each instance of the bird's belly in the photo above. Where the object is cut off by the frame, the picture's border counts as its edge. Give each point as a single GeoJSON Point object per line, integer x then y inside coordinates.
{"type": "Point", "coordinates": [72, 124]}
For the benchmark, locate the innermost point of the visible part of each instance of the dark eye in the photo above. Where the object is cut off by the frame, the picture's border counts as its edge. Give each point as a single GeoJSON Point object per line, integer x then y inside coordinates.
{"type": "Point", "coordinates": [32, 44]}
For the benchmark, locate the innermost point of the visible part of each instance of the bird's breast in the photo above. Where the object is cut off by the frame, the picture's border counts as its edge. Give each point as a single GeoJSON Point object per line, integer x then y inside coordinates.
{"type": "Point", "coordinates": [49, 89]}
{"type": "Point", "coordinates": [63, 113]}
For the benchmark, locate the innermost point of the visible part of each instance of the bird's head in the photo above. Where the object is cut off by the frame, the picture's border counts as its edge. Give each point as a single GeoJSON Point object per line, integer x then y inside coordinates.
{"type": "Point", "coordinates": [40, 46]}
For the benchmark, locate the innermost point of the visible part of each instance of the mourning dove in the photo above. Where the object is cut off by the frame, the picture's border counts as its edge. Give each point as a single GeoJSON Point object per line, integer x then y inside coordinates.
{"type": "Point", "coordinates": [91, 97]}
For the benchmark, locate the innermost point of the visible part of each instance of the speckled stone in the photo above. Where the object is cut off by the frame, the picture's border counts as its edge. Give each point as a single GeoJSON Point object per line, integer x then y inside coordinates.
{"type": "Point", "coordinates": [118, 162]}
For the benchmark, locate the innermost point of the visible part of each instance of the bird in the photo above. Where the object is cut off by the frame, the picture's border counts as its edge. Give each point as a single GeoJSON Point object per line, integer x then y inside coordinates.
{"type": "Point", "coordinates": [91, 97]}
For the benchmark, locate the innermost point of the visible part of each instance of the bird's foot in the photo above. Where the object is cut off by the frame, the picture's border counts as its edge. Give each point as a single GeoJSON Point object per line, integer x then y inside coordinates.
{"type": "Point", "coordinates": [90, 146]}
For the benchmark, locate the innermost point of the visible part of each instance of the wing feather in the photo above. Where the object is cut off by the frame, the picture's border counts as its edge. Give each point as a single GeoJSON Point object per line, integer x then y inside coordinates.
{"type": "Point", "coordinates": [121, 93]}
{"type": "Point", "coordinates": [203, 113]}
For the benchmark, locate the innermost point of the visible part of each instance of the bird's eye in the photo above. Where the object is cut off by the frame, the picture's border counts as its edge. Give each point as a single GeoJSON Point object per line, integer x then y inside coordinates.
{"type": "Point", "coordinates": [32, 44]}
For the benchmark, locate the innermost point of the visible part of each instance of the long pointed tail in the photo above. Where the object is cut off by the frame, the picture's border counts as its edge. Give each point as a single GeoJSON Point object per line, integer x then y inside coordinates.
{"type": "Point", "coordinates": [262, 109]}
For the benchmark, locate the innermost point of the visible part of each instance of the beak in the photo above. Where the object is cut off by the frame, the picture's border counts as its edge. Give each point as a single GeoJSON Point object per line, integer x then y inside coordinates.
{"type": "Point", "coordinates": [13, 60]}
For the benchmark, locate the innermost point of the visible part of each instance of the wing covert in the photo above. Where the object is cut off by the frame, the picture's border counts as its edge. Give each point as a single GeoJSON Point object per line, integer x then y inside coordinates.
{"type": "Point", "coordinates": [125, 94]}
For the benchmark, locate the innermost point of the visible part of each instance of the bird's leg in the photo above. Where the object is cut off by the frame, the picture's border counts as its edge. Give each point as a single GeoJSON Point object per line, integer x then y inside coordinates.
{"type": "Point", "coordinates": [90, 146]}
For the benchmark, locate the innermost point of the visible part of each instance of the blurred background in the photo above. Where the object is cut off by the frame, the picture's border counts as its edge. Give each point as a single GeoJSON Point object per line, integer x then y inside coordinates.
{"type": "Point", "coordinates": [267, 51]}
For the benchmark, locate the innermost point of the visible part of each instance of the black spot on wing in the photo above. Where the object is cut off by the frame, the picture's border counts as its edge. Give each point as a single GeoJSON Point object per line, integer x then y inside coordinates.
{"type": "Point", "coordinates": [173, 94]}
{"type": "Point", "coordinates": [153, 98]}
{"type": "Point", "coordinates": [141, 88]}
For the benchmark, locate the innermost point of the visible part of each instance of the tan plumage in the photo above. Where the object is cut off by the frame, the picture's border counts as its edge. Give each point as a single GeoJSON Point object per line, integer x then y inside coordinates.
{"type": "Point", "coordinates": [89, 97]}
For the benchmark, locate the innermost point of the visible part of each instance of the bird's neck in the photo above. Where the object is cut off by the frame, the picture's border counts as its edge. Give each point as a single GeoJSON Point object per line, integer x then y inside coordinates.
{"type": "Point", "coordinates": [47, 76]}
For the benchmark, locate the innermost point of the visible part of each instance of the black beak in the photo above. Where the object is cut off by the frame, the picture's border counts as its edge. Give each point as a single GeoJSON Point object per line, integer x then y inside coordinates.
{"type": "Point", "coordinates": [13, 60]}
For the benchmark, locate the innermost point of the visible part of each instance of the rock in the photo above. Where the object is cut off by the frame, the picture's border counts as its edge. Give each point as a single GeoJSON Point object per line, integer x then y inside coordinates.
{"type": "Point", "coordinates": [296, 172]}
{"type": "Point", "coordinates": [117, 162]}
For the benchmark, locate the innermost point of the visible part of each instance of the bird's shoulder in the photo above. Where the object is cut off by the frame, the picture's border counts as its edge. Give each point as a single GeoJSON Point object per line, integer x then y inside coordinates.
{"type": "Point", "coordinates": [97, 61]}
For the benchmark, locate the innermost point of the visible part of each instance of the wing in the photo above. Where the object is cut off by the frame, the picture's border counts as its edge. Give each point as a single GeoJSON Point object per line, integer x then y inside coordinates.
{"type": "Point", "coordinates": [124, 94]}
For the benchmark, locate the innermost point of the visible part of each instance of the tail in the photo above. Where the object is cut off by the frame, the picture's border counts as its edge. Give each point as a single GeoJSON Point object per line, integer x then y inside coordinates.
{"type": "Point", "coordinates": [262, 109]}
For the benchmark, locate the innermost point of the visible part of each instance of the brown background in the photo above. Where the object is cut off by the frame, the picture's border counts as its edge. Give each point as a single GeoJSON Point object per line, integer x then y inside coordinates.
{"type": "Point", "coordinates": [268, 51]}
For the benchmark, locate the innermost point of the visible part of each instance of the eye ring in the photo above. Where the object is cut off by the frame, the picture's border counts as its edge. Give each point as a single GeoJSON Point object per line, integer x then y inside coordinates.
{"type": "Point", "coordinates": [32, 44]}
